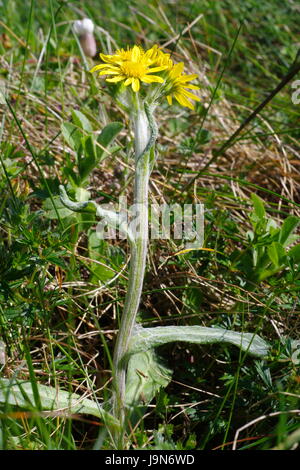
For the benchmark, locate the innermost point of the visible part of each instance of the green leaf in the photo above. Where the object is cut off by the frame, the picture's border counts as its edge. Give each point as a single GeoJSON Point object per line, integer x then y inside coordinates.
{"type": "Point", "coordinates": [71, 176]}
{"type": "Point", "coordinates": [50, 211]}
{"type": "Point", "coordinates": [88, 161]}
{"type": "Point", "coordinates": [20, 393]}
{"type": "Point", "coordinates": [276, 253]}
{"type": "Point", "coordinates": [265, 273]}
{"type": "Point", "coordinates": [101, 250]}
{"type": "Point", "coordinates": [94, 153]}
{"type": "Point", "coordinates": [72, 135]}
{"type": "Point", "coordinates": [147, 338]}
{"type": "Point", "coordinates": [106, 137]}
{"type": "Point", "coordinates": [295, 253]}
{"type": "Point", "coordinates": [145, 376]}
{"type": "Point", "coordinates": [258, 205]}
{"type": "Point", "coordinates": [82, 195]}
{"type": "Point", "coordinates": [81, 121]}
{"type": "Point", "coordinates": [287, 228]}
{"type": "Point", "coordinates": [264, 372]}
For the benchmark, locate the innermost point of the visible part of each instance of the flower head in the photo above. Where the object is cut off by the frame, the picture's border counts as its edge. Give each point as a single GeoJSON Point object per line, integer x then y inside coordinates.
{"type": "Point", "coordinates": [131, 66]}
{"type": "Point", "coordinates": [161, 58]}
{"type": "Point", "coordinates": [178, 85]}
{"type": "Point", "coordinates": [134, 65]}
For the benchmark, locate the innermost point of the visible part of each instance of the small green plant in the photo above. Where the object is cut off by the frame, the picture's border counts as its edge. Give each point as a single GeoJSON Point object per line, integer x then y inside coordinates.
{"type": "Point", "coordinates": [268, 251]}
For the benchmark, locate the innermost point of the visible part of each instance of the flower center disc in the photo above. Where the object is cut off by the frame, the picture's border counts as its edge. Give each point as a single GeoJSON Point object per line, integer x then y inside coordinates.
{"type": "Point", "coordinates": [133, 69]}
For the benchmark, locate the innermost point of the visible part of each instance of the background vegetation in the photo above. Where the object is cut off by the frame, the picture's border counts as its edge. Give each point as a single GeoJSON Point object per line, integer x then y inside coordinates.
{"type": "Point", "coordinates": [62, 291]}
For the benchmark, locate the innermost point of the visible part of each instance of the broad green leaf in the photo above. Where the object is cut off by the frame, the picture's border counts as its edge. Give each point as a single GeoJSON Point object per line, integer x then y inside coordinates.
{"type": "Point", "coordinates": [101, 273]}
{"type": "Point", "coordinates": [147, 338]}
{"type": "Point", "coordinates": [101, 250]}
{"type": "Point", "coordinates": [81, 121]}
{"type": "Point", "coordinates": [50, 211]}
{"type": "Point", "coordinates": [145, 372]}
{"type": "Point", "coordinates": [20, 393]}
{"type": "Point", "coordinates": [145, 376]}
{"type": "Point", "coordinates": [265, 273]}
{"type": "Point", "coordinates": [82, 195]}
{"type": "Point", "coordinates": [12, 167]}
{"type": "Point", "coordinates": [106, 137]}
{"type": "Point", "coordinates": [72, 135]}
{"type": "Point", "coordinates": [276, 253]}
{"type": "Point", "coordinates": [258, 205]}
{"type": "Point", "coordinates": [71, 176]}
{"type": "Point", "coordinates": [94, 244]}
{"type": "Point", "coordinates": [288, 226]}
{"type": "Point", "coordinates": [295, 253]}
{"type": "Point", "coordinates": [93, 153]}
{"type": "Point", "coordinates": [272, 227]}
{"type": "Point", "coordinates": [87, 161]}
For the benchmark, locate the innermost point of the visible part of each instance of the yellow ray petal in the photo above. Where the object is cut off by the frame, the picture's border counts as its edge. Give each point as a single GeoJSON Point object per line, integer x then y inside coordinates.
{"type": "Point", "coordinates": [170, 100]}
{"type": "Point", "coordinates": [128, 81]}
{"type": "Point", "coordinates": [157, 69]}
{"type": "Point", "coordinates": [192, 87]}
{"type": "Point", "coordinates": [190, 95]}
{"type": "Point", "coordinates": [116, 79]}
{"type": "Point", "coordinates": [98, 67]}
{"type": "Point", "coordinates": [152, 53]}
{"type": "Point", "coordinates": [135, 84]}
{"type": "Point", "coordinates": [188, 78]}
{"type": "Point", "coordinates": [151, 79]}
{"type": "Point", "coordinates": [177, 70]}
{"type": "Point", "coordinates": [183, 101]}
{"type": "Point", "coordinates": [135, 54]}
{"type": "Point", "coordinates": [106, 57]}
{"type": "Point", "coordinates": [109, 72]}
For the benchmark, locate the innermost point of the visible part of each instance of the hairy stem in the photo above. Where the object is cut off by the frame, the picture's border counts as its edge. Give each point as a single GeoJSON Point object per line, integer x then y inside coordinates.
{"type": "Point", "coordinates": [137, 266]}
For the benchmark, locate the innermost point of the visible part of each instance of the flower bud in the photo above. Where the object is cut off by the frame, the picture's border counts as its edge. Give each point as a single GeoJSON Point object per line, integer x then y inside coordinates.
{"type": "Point", "coordinates": [84, 29]}
{"type": "Point", "coordinates": [83, 26]}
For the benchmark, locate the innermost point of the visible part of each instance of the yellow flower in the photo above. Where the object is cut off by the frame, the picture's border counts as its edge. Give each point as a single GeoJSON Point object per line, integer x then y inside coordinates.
{"type": "Point", "coordinates": [177, 84]}
{"type": "Point", "coordinates": [121, 55]}
{"type": "Point", "coordinates": [132, 66]}
{"type": "Point", "coordinates": [159, 58]}
{"type": "Point", "coordinates": [163, 59]}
